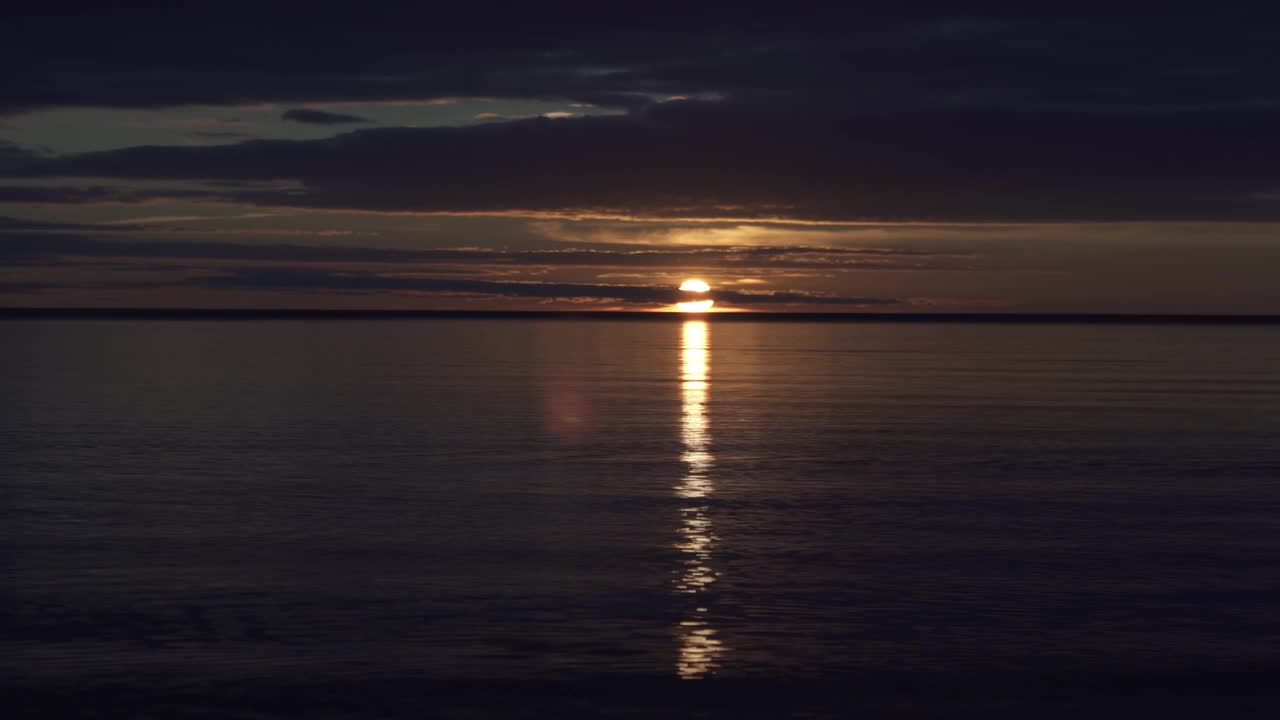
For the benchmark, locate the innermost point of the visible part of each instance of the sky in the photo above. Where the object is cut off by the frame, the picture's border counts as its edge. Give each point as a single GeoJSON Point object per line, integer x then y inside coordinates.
{"type": "Point", "coordinates": [939, 158]}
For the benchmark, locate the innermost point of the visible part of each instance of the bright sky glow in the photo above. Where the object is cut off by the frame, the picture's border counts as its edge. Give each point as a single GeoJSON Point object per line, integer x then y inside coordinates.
{"type": "Point", "coordinates": [695, 306]}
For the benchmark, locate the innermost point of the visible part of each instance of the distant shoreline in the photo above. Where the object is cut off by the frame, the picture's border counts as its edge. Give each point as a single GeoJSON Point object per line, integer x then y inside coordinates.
{"type": "Point", "coordinates": [849, 317]}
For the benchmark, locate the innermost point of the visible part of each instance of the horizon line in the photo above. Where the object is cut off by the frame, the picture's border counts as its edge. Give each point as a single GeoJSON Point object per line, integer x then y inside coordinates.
{"type": "Point", "coordinates": [629, 315]}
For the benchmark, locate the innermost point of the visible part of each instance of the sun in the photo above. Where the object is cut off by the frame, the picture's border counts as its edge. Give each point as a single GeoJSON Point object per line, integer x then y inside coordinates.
{"type": "Point", "coordinates": [694, 286]}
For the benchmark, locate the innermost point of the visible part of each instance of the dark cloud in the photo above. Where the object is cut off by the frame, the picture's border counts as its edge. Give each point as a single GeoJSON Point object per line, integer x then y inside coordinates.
{"type": "Point", "coordinates": [11, 224]}
{"type": "Point", "coordinates": [725, 159]}
{"type": "Point", "coordinates": [320, 117]}
{"type": "Point", "coordinates": [158, 54]}
{"type": "Point", "coordinates": [939, 113]}
{"type": "Point", "coordinates": [321, 280]}
{"type": "Point", "coordinates": [56, 195]}
{"type": "Point", "coordinates": [17, 159]}
{"type": "Point", "coordinates": [18, 288]}
{"type": "Point", "coordinates": [219, 134]}
{"type": "Point", "coordinates": [71, 194]}
{"type": "Point", "coordinates": [18, 242]}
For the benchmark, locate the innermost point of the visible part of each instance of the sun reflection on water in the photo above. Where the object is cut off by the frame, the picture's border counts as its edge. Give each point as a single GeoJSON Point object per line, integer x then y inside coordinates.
{"type": "Point", "coordinates": [700, 649]}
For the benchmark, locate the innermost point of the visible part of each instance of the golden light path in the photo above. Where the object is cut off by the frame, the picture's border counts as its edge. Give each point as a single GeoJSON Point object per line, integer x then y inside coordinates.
{"type": "Point", "coordinates": [700, 649]}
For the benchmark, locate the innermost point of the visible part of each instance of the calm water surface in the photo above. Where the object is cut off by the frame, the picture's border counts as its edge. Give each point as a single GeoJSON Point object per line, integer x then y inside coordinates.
{"type": "Point", "coordinates": [499, 499]}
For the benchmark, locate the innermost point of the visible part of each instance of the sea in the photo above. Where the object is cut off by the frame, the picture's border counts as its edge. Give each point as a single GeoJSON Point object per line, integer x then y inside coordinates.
{"type": "Point", "coordinates": [656, 517]}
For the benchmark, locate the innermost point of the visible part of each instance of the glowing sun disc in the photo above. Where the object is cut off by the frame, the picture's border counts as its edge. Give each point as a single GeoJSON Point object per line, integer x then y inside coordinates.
{"type": "Point", "coordinates": [694, 286]}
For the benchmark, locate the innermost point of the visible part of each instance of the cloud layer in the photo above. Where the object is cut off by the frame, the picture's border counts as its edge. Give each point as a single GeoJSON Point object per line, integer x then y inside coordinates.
{"type": "Point", "coordinates": [717, 127]}
{"type": "Point", "coordinates": [168, 263]}
{"type": "Point", "coordinates": [939, 54]}
{"type": "Point", "coordinates": [29, 241]}
{"type": "Point", "coordinates": [937, 114]}
{"type": "Point", "coordinates": [638, 295]}
{"type": "Point", "coordinates": [311, 116]}
{"type": "Point", "coordinates": [694, 159]}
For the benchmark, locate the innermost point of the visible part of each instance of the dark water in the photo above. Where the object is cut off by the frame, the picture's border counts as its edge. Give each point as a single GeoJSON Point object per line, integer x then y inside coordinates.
{"type": "Point", "coordinates": [202, 511]}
